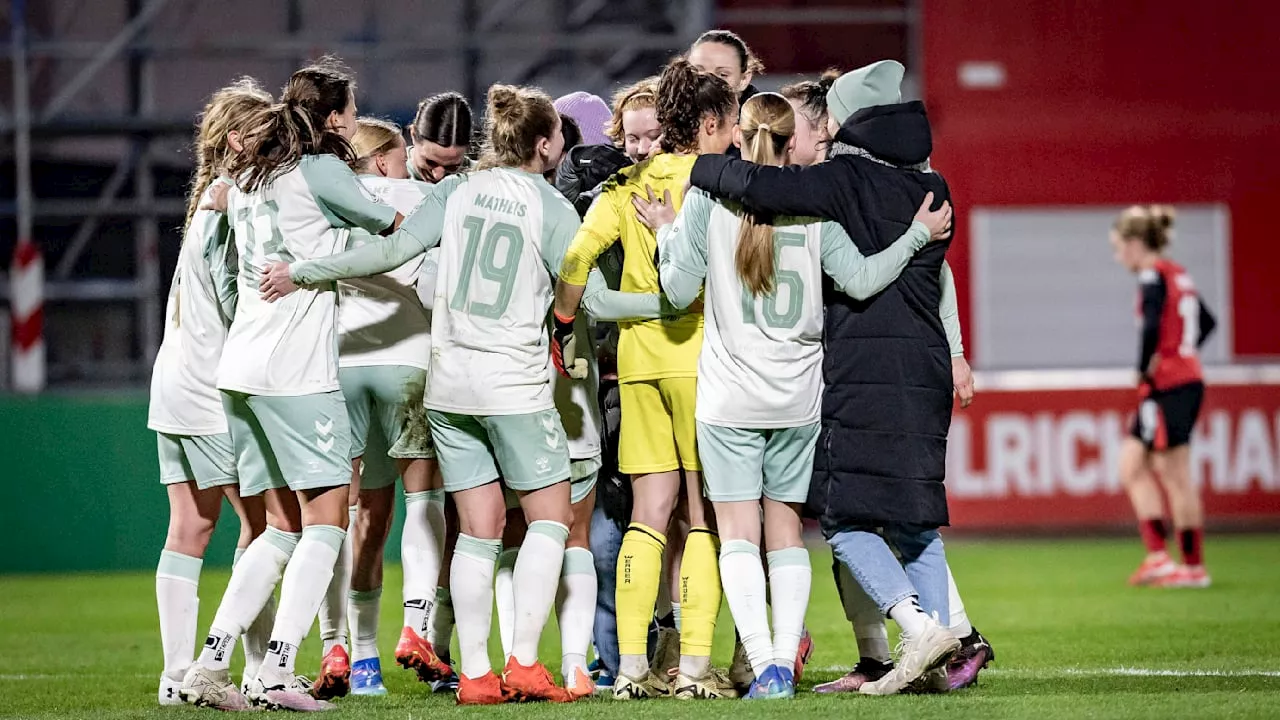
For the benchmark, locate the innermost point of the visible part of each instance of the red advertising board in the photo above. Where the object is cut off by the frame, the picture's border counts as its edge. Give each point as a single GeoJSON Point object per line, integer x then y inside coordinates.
{"type": "Point", "coordinates": [1033, 457]}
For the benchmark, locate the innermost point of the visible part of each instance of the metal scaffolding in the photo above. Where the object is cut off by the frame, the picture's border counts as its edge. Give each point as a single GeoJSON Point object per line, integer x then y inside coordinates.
{"type": "Point", "coordinates": [561, 45]}
{"type": "Point", "coordinates": [591, 43]}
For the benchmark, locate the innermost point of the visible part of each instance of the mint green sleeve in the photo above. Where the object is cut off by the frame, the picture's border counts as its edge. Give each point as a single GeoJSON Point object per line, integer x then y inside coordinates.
{"type": "Point", "coordinates": [949, 311]}
{"type": "Point", "coordinates": [418, 233]}
{"type": "Point", "coordinates": [605, 305]}
{"type": "Point", "coordinates": [682, 250]}
{"type": "Point", "coordinates": [859, 276]}
{"type": "Point", "coordinates": [559, 226]}
{"type": "Point", "coordinates": [428, 275]}
{"type": "Point", "coordinates": [224, 261]}
{"type": "Point", "coordinates": [341, 197]}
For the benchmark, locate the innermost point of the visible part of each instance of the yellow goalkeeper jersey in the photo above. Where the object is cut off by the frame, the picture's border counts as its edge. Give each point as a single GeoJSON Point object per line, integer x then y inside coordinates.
{"type": "Point", "coordinates": [649, 349]}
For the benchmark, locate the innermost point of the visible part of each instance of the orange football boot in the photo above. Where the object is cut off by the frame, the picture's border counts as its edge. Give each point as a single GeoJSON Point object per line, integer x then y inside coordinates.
{"type": "Point", "coordinates": [414, 652]}
{"type": "Point", "coordinates": [533, 683]}
{"type": "Point", "coordinates": [488, 689]}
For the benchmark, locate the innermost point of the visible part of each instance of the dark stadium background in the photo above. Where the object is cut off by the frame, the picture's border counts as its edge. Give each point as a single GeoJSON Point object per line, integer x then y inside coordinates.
{"type": "Point", "coordinates": [1048, 117]}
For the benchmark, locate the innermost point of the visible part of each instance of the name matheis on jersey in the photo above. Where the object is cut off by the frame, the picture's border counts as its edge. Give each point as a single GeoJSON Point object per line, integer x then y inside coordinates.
{"type": "Point", "coordinates": [502, 205]}
{"type": "Point", "coordinates": [1070, 446]}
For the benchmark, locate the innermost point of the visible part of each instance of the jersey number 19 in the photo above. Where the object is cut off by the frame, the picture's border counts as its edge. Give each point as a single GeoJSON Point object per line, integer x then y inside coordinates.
{"type": "Point", "coordinates": [502, 272]}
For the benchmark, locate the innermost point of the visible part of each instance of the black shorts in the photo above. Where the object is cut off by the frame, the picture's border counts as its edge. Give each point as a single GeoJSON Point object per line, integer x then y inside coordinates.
{"type": "Point", "coordinates": [1166, 418]}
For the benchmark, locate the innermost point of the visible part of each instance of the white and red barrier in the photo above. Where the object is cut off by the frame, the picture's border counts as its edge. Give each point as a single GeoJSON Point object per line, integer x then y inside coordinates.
{"type": "Point", "coordinates": [26, 302]}
{"type": "Point", "coordinates": [1040, 450]}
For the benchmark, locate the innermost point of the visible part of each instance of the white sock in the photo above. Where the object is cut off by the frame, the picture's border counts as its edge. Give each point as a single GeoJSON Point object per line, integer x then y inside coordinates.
{"type": "Point", "coordinates": [305, 580]}
{"type": "Point", "coordinates": [178, 601]}
{"type": "Point", "coordinates": [333, 608]}
{"type": "Point", "coordinates": [255, 638]}
{"type": "Point", "coordinates": [744, 589]}
{"type": "Point", "coordinates": [504, 597]}
{"type": "Point", "coordinates": [635, 667]}
{"type": "Point", "coordinates": [471, 585]}
{"type": "Point", "coordinates": [364, 607]}
{"type": "Point", "coordinates": [441, 620]}
{"type": "Point", "coordinates": [959, 623]}
{"type": "Point", "coordinates": [258, 637]}
{"type": "Point", "coordinates": [695, 665]}
{"type": "Point", "coordinates": [790, 577]}
{"type": "Point", "coordinates": [675, 613]}
{"type": "Point", "coordinates": [253, 580]}
{"type": "Point", "coordinates": [535, 579]}
{"type": "Point", "coordinates": [576, 611]}
{"type": "Point", "coordinates": [861, 611]}
{"type": "Point", "coordinates": [909, 616]}
{"type": "Point", "coordinates": [421, 553]}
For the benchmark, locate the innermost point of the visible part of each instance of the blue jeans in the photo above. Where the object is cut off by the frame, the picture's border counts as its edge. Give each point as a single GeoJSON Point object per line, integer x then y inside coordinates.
{"type": "Point", "coordinates": [919, 568]}
{"type": "Point", "coordinates": [606, 542]}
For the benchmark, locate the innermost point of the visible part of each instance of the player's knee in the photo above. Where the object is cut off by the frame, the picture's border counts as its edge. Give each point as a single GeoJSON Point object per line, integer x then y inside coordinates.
{"type": "Point", "coordinates": [551, 512]}
{"type": "Point", "coordinates": [652, 510]}
{"type": "Point", "coordinates": [374, 518]}
{"type": "Point", "coordinates": [487, 523]}
{"type": "Point", "coordinates": [189, 535]}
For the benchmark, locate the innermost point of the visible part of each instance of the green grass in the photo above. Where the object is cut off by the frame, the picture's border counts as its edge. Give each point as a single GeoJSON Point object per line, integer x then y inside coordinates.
{"type": "Point", "coordinates": [1059, 614]}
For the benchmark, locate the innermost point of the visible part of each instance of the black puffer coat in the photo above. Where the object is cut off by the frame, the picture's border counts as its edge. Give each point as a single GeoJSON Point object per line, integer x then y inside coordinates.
{"type": "Point", "coordinates": [886, 408]}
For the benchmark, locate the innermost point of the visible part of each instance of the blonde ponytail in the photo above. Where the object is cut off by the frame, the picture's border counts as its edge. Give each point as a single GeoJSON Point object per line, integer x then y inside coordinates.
{"type": "Point", "coordinates": [767, 125]}
{"type": "Point", "coordinates": [230, 109]}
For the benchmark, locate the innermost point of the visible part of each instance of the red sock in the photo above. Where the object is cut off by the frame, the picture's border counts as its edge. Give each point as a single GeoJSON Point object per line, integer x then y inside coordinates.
{"type": "Point", "coordinates": [1153, 534]}
{"type": "Point", "coordinates": [1192, 541]}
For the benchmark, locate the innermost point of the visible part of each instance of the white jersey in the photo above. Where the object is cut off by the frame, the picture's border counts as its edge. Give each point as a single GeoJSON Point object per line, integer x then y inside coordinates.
{"type": "Point", "coordinates": [761, 361]}
{"type": "Point", "coordinates": [184, 393]}
{"type": "Point", "coordinates": [289, 347]}
{"type": "Point", "coordinates": [380, 320]}
{"type": "Point", "coordinates": [504, 235]}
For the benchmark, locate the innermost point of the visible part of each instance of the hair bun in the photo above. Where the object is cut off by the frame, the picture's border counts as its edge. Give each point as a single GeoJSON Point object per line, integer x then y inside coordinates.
{"type": "Point", "coordinates": [828, 79]}
{"type": "Point", "coordinates": [1163, 216]}
{"type": "Point", "coordinates": [503, 98]}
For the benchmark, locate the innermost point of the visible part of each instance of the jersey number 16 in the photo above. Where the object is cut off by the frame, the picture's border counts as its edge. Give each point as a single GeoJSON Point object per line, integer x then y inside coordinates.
{"type": "Point", "coordinates": [790, 279]}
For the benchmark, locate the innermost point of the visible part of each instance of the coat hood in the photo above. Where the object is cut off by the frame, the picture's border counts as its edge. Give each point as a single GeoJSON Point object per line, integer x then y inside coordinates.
{"type": "Point", "coordinates": [898, 134]}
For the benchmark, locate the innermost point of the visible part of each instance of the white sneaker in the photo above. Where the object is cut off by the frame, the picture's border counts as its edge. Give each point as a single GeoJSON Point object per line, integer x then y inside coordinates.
{"type": "Point", "coordinates": [203, 687]}
{"type": "Point", "coordinates": [916, 656]}
{"type": "Point", "coordinates": [252, 687]}
{"type": "Point", "coordinates": [169, 690]}
{"type": "Point", "coordinates": [278, 690]}
{"type": "Point", "coordinates": [650, 686]}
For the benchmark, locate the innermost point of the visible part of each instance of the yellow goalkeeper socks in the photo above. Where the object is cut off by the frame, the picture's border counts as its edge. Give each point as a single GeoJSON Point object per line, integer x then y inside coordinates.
{"type": "Point", "coordinates": [639, 568]}
{"type": "Point", "coordinates": [700, 593]}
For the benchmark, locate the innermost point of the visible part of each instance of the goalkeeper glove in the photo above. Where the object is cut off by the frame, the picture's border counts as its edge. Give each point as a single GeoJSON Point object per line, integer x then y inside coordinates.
{"type": "Point", "coordinates": [564, 350]}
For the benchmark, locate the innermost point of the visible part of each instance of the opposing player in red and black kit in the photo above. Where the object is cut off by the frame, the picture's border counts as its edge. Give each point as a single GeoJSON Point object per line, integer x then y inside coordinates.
{"type": "Point", "coordinates": [1175, 323]}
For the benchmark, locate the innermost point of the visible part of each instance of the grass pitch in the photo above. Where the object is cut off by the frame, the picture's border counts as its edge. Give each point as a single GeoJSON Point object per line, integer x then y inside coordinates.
{"type": "Point", "coordinates": [1073, 641]}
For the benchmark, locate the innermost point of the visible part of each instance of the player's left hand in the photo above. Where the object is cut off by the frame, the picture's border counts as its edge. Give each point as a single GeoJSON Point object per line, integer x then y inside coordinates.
{"type": "Point", "coordinates": [217, 198]}
{"type": "Point", "coordinates": [654, 212]}
{"type": "Point", "coordinates": [275, 282]}
{"type": "Point", "coordinates": [962, 379]}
